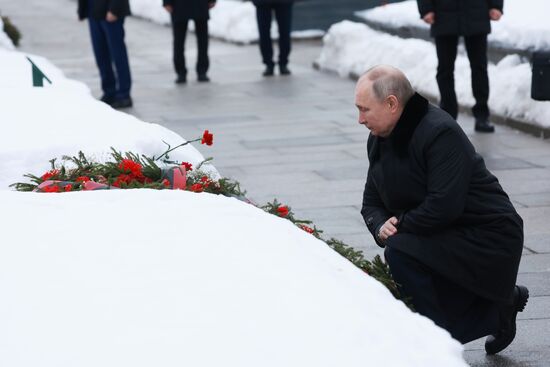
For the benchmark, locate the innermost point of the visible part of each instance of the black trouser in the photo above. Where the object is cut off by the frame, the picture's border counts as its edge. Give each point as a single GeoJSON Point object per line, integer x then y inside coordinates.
{"type": "Point", "coordinates": [179, 29]}
{"type": "Point", "coordinates": [283, 16]}
{"type": "Point", "coordinates": [462, 313]}
{"type": "Point", "coordinates": [476, 48]}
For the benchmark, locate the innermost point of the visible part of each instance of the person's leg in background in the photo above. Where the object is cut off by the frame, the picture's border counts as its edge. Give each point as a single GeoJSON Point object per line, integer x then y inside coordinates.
{"type": "Point", "coordinates": [446, 47]}
{"type": "Point", "coordinates": [103, 60]}
{"type": "Point", "coordinates": [263, 17]}
{"type": "Point", "coordinates": [119, 54]}
{"type": "Point", "coordinates": [203, 63]}
{"type": "Point", "coordinates": [179, 30]}
{"type": "Point", "coordinates": [476, 48]}
{"type": "Point", "coordinates": [283, 15]}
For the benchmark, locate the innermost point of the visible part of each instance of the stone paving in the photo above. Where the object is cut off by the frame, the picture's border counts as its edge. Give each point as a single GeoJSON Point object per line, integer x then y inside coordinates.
{"type": "Point", "coordinates": [297, 139]}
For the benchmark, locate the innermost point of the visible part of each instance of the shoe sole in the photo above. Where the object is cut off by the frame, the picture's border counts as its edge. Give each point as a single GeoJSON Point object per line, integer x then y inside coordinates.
{"type": "Point", "coordinates": [523, 298]}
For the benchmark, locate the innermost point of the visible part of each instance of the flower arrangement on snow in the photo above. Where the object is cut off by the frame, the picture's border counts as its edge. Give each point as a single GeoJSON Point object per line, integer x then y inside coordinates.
{"type": "Point", "coordinates": [132, 171]}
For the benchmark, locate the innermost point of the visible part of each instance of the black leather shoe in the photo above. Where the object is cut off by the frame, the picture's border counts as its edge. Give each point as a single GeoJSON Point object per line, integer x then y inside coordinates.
{"type": "Point", "coordinates": [269, 70]}
{"type": "Point", "coordinates": [107, 99]}
{"type": "Point", "coordinates": [283, 69]}
{"type": "Point", "coordinates": [123, 103]}
{"type": "Point", "coordinates": [504, 337]}
{"type": "Point", "coordinates": [484, 126]}
{"type": "Point", "coordinates": [181, 79]}
{"type": "Point", "coordinates": [203, 78]}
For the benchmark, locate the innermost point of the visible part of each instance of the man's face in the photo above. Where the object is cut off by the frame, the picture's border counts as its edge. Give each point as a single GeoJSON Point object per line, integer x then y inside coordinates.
{"type": "Point", "coordinates": [376, 115]}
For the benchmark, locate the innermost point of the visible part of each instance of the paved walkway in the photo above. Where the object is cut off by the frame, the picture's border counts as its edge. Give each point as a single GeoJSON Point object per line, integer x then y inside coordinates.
{"type": "Point", "coordinates": [296, 138]}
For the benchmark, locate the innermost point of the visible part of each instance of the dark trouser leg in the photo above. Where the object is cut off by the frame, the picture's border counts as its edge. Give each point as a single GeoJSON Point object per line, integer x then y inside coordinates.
{"type": "Point", "coordinates": [263, 17]}
{"type": "Point", "coordinates": [117, 48]}
{"type": "Point", "coordinates": [446, 47]}
{"type": "Point", "coordinates": [102, 58]}
{"type": "Point", "coordinates": [476, 48]}
{"type": "Point", "coordinates": [179, 30]}
{"type": "Point", "coordinates": [465, 315]}
{"type": "Point", "coordinates": [201, 29]}
{"type": "Point", "coordinates": [283, 15]}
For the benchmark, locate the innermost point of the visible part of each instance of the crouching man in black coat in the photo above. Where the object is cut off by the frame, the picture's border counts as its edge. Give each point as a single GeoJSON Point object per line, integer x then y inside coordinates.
{"type": "Point", "coordinates": [181, 12]}
{"type": "Point", "coordinates": [452, 238]}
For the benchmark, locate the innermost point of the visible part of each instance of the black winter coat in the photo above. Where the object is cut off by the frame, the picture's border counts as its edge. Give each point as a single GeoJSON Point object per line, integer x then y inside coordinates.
{"type": "Point", "coordinates": [459, 17]}
{"type": "Point", "coordinates": [453, 214]}
{"type": "Point", "coordinates": [189, 9]}
{"type": "Point", "coordinates": [120, 8]}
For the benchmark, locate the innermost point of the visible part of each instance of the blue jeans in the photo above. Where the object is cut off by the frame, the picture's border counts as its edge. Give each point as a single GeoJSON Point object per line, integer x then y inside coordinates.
{"type": "Point", "coordinates": [109, 48]}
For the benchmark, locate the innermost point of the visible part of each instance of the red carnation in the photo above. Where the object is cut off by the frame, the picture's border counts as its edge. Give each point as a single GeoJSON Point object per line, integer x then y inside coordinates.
{"type": "Point", "coordinates": [127, 179]}
{"type": "Point", "coordinates": [166, 183]}
{"type": "Point", "coordinates": [207, 138]}
{"type": "Point", "coordinates": [188, 166]}
{"type": "Point", "coordinates": [46, 176]}
{"type": "Point", "coordinates": [82, 179]}
{"type": "Point", "coordinates": [68, 187]}
{"type": "Point", "coordinates": [282, 211]}
{"type": "Point", "coordinates": [51, 188]}
{"type": "Point", "coordinates": [307, 229]}
{"type": "Point", "coordinates": [128, 165]}
{"type": "Point", "coordinates": [197, 187]}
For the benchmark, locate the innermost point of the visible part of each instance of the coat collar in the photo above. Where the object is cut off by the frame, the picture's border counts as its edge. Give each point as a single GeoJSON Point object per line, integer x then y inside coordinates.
{"type": "Point", "coordinates": [415, 109]}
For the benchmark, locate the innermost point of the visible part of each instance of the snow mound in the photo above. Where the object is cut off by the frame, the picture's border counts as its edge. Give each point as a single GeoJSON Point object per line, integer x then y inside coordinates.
{"type": "Point", "coordinates": [174, 278]}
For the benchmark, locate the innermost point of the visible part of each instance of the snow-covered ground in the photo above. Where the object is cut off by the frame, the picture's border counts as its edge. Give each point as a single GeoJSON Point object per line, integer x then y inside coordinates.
{"type": "Point", "coordinates": [354, 47]}
{"type": "Point", "coordinates": [5, 41]}
{"type": "Point", "coordinates": [230, 20]}
{"type": "Point", "coordinates": [170, 278]}
{"type": "Point", "coordinates": [524, 25]}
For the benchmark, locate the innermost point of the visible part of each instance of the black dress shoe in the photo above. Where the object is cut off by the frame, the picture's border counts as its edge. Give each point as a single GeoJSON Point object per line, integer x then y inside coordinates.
{"type": "Point", "coordinates": [181, 79]}
{"type": "Point", "coordinates": [203, 78]}
{"type": "Point", "coordinates": [269, 70]}
{"type": "Point", "coordinates": [484, 126]}
{"type": "Point", "coordinates": [122, 103]}
{"type": "Point", "coordinates": [107, 99]}
{"type": "Point", "coordinates": [283, 69]}
{"type": "Point", "coordinates": [499, 341]}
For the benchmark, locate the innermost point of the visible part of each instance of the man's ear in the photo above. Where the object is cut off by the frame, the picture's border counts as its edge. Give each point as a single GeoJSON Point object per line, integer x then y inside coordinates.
{"type": "Point", "coordinates": [393, 103]}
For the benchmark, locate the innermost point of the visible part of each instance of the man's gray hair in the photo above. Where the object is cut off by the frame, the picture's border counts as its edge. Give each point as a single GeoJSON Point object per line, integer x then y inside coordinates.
{"type": "Point", "coordinates": [387, 80]}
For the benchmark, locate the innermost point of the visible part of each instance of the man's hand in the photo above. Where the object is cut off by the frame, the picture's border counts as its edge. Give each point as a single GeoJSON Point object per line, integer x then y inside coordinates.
{"type": "Point", "coordinates": [429, 17]}
{"type": "Point", "coordinates": [111, 17]}
{"type": "Point", "coordinates": [495, 14]}
{"type": "Point", "coordinates": [211, 4]}
{"type": "Point", "coordinates": [169, 8]}
{"type": "Point", "coordinates": [388, 229]}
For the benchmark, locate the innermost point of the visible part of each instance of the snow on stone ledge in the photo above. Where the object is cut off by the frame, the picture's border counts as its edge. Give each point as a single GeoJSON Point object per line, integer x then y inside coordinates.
{"type": "Point", "coordinates": [352, 48]}
{"type": "Point", "coordinates": [524, 25]}
{"type": "Point", "coordinates": [230, 20]}
{"type": "Point", "coordinates": [5, 41]}
{"type": "Point", "coordinates": [167, 278]}
{"type": "Point", "coordinates": [62, 118]}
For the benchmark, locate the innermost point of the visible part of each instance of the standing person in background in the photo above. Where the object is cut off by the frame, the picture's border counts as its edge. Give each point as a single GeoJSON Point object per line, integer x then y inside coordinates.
{"type": "Point", "coordinates": [283, 16]}
{"type": "Point", "coordinates": [181, 11]}
{"type": "Point", "coordinates": [450, 19]}
{"type": "Point", "coordinates": [106, 20]}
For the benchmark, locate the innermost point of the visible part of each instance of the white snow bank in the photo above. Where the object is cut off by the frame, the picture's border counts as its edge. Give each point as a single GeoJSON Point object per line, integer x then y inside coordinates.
{"type": "Point", "coordinates": [230, 20]}
{"type": "Point", "coordinates": [353, 48]}
{"type": "Point", "coordinates": [174, 278]}
{"type": "Point", "coordinates": [62, 118]}
{"type": "Point", "coordinates": [523, 26]}
{"type": "Point", "coordinates": [5, 41]}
